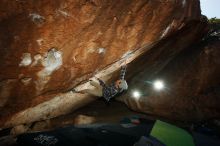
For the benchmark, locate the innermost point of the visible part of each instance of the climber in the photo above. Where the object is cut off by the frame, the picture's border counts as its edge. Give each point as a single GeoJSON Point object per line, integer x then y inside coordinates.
{"type": "Point", "coordinates": [107, 91]}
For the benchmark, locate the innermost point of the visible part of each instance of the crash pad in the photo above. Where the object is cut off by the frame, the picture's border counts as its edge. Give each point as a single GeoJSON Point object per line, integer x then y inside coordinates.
{"type": "Point", "coordinates": [171, 135]}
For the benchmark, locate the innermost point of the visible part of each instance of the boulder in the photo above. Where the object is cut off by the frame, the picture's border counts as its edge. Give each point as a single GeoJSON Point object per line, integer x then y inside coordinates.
{"type": "Point", "coordinates": [50, 47]}
{"type": "Point", "coordinates": [192, 85]}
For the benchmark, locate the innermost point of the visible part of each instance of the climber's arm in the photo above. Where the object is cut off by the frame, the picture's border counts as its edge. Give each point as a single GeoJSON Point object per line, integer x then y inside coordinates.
{"type": "Point", "coordinates": [123, 71]}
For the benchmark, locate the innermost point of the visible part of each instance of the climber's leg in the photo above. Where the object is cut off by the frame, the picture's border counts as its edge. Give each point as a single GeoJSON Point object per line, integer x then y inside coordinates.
{"type": "Point", "coordinates": [97, 91]}
{"type": "Point", "coordinates": [94, 92]}
{"type": "Point", "coordinates": [95, 84]}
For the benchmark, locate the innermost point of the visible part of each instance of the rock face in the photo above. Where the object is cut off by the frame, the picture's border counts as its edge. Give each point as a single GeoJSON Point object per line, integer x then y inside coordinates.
{"type": "Point", "coordinates": [49, 47]}
{"type": "Point", "coordinates": [192, 85]}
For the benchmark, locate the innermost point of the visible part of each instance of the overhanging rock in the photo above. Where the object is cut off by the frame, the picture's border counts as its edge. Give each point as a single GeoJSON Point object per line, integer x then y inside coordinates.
{"type": "Point", "coordinates": [51, 47]}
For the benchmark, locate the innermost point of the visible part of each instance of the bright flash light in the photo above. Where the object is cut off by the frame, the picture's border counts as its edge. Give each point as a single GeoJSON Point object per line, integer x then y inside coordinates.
{"type": "Point", "coordinates": [158, 85]}
{"type": "Point", "coordinates": [136, 94]}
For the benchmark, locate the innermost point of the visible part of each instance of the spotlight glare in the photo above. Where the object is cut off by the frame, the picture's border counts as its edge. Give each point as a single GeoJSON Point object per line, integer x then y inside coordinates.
{"type": "Point", "coordinates": [136, 94]}
{"type": "Point", "coordinates": [158, 85]}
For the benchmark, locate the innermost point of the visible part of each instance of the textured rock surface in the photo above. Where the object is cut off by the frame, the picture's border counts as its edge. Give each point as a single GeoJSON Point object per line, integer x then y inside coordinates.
{"type": "Point", "coordinates": [192, 81]}
{"type": "Point", "coordinates": [93, 113]}
{"type": "Point", "coordinates": [49, 47]}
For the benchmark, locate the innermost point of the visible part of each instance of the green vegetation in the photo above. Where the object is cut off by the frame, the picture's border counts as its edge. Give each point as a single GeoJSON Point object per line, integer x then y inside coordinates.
{"type": "Point", "coordinates": [214, 20]}
{"type": "Point", "coordinates": [214, 24]}
{"type": "Point", "coordinates": [214, 29]}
